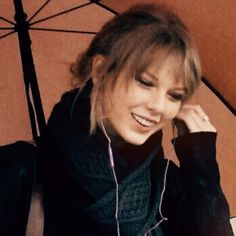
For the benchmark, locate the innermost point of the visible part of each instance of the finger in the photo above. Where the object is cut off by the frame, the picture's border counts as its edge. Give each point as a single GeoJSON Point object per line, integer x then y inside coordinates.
{"type": "Point", "coordinates": [189, 117]}
{"type": "Point", "coordinates": [198, 109]}
{"type": "Point", "coordinates": [201, 122]}
{"type": "Point", "coordinates": [195, 119]}
{"type": "Point", "coordinates": [204, 121]}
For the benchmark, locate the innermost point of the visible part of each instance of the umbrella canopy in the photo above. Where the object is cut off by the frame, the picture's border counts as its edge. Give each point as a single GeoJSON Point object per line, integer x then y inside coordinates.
{"type": "Point", "coordinates": [54, 48]}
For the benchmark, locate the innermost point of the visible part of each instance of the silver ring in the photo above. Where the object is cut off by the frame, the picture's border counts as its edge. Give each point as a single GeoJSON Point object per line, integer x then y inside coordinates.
{"type": "Point", "coordinates": [205, 118]}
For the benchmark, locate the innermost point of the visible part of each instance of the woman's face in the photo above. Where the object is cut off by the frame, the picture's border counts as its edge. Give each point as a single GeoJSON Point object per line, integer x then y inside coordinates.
{"type": "Point", "coordinates": [142, 107]}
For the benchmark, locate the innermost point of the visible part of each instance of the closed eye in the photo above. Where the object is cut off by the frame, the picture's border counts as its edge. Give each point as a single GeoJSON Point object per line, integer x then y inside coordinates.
{"type": "Point", "coordinates": [177, 96]}
{"type": "Point", "coordinates": [143, 81]}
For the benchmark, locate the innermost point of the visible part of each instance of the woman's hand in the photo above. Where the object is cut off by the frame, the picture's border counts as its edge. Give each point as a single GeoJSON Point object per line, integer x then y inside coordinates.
{"type": "Point", "coordinates": [192, 118]}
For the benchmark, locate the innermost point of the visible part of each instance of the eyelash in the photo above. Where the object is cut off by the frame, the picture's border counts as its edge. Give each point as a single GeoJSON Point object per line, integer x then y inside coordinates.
{"type": "Point", "coordinates": [176, 97]}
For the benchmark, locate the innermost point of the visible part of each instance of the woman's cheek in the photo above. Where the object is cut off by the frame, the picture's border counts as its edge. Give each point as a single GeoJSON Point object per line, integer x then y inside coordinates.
{"type": "Point", "coordinates": [174, 110]}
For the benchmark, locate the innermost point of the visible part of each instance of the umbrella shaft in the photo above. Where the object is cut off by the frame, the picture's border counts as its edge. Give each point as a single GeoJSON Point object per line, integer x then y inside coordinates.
{"type": "Point", "coordinates": [29, 73]}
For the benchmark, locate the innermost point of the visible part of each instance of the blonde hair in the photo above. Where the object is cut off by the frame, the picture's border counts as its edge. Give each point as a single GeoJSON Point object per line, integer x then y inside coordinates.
{"type": "Point", "coordinates": [132, 40]}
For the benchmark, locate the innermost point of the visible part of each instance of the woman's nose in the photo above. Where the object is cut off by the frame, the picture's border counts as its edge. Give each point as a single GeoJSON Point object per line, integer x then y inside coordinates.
{"type": "Point", "coordinates": [156, 103]}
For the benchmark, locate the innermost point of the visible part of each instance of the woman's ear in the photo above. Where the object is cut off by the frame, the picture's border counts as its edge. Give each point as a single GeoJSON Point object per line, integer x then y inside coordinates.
{"type": "Point", "coordinates": [97, 67]}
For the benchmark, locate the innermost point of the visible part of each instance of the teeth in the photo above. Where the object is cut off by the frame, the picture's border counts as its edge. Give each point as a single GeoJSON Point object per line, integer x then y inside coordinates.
{"type": "Point", "coordinates": [143, 121]}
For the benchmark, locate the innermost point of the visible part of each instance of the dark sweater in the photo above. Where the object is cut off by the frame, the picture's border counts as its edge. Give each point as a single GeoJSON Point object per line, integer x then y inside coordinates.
{"type": "Point", "coordinates": [79, 188]}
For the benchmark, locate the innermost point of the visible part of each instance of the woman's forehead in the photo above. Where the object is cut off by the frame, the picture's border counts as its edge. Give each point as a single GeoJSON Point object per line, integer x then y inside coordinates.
{"type": "Point", "coordinates": [171, 62]}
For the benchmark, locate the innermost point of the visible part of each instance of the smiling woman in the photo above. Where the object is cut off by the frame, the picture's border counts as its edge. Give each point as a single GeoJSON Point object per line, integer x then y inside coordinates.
{"type": "Point", "coordinates": [152, 98]}
{"type": "Point", "coordinates": [103, 170]}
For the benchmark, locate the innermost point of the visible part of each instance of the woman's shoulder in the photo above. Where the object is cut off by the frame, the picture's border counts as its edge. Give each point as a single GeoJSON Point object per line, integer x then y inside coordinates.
{"type": "Point", "coordinates": [60, 117]}
{"type": "Point", "coordinates": [67, 99]}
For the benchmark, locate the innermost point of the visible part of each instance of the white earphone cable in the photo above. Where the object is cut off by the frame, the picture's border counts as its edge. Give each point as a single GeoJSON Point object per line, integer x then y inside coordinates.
{"type": "Point", "coordinates": [115, 178]}
{"type": "Point", "coordinates": [161, 199]}
{"type": "Point", "coordinates": [163, 191]}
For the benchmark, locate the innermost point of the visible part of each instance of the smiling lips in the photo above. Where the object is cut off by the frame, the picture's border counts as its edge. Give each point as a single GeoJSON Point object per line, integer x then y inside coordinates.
{"type": "Point", "coordinates": [143, 121]}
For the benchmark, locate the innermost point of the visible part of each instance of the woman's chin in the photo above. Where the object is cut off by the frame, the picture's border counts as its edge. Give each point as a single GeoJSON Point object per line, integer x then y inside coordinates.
{"type": "Point", "coordinates": [129, 135]}
{"type": "Point", "coordinates": [135, 138]}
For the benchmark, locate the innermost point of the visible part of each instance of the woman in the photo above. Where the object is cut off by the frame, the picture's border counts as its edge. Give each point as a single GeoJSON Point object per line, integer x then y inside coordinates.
{"type": "Point", "coordinates": [104, 172]}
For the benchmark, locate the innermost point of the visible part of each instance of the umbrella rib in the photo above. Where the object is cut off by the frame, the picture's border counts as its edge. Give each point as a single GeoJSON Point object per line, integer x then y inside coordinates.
{"type": "Point", "coordinates": [105, 7]}
{"type": "Point", "coordinates": [216, 92]}
{"type": "Point", "coordinates": [63, 30]}
{"type": "Point", "coordinates": [60, 13]}
{"type": "Point", "coordinates": [8, 21]}
{"type": "Point", "coordinates": [39, 10]}
{"type": "Point", "coordinates": [5, 35]}
{"type": "Point", "coordinates": [7, 28]}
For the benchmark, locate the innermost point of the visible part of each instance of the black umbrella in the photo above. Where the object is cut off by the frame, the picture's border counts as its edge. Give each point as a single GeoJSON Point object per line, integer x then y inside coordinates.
{"type": "Point", "coordinates": [22, 26]}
